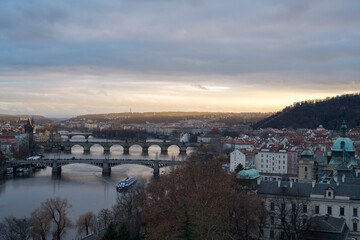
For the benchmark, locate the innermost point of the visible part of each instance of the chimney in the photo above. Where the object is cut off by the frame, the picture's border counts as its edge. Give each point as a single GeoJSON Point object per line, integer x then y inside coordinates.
{"type": "Point", "coordinates": [343, 178]}
{"type": "Point", "coordinates": [291, 184]}
{"type": "Point", "coordinates": [313, 184]}
{"type": "Point", "coordinates": [258, 180]}
{"type": "Point", "coordinates": [279, 183]}
{"type": "Point", "coordinates": [336, 179]}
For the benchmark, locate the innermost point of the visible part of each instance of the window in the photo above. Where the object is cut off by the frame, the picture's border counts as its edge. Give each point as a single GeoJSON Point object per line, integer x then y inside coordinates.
{"type": "Point", "coordinates": [261, 233]}
{"type": "Point", "coordinates": [305, 169]}
{"type": "Point", "coordinates": [304, 208]}
{"type": "Point", "coordinates": [282, 235]}
{"type": "Point", "coordinates": [317, 209]}
{"type": "Point", "coordinates": [271, 234]}
{"type": "Point", "coordinates": [329, 193]}
{"type": "Point", "coordinates": [342, 211]}
{"type": "Point", "coordinates": [272, 206]}
{"type": "Point", "coordinates": [282, 206]}
{"type": "Point", "coordinates": [355, 212]}
{"type": "Point", "coordinates": [304, 221]}
{"type": "Point", "coordinates": [272, 220]}
{"type": "Point", "coordinates": [262, 155]}
{"type": "Point", "coordinates": [329, 210]}
{"type": "Point", "coordinates": [355, 226]}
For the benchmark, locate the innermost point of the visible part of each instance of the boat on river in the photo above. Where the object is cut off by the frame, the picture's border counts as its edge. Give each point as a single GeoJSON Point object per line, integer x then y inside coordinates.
{"type": "Point", "coordinates": [125, 183]}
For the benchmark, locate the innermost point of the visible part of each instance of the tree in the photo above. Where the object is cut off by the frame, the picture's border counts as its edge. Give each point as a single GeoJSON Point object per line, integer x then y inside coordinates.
{"type": "Point", "coordinates": [128, 210]}
{"type": "Point", "coordinates": [40, 224]}
{"type": "Point", "coordinates": [86, 222]}
{"type": "Point", "coordinates": [110, 233]}
{"type": "Point", "coordinates": [15, 229]}
{"type": "Point", "coordinates": [105, 217]}
{"type": "Point", "coordinates": [57, 209]}
{"type": "Point", "coordinates": [239, 168]}
{"type": "Point", "coordinates": [209, 193]}
{"type": "Point", "coordinates": [291, 213]}
{"type": "Point", "coordinates": [123, 233]}
{"type": "Point", "coordinates": [187, 225]}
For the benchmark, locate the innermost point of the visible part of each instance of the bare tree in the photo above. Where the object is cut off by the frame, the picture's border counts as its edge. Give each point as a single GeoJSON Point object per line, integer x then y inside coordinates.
{"type": "Point", "coordinates": [86, 222]}
{"type": "Point", "coordinates": [105, 217]}
{"type": "Point", "coordinates": [40, 224]}
{"type": "Point", "coordinates": [15, 229]}
{"type": "Point", "coordinates": [58, 210]}
{"type": "Point", "coordinates": [291, 213]}
{"type": "Point", "coordinates": [127, 208]}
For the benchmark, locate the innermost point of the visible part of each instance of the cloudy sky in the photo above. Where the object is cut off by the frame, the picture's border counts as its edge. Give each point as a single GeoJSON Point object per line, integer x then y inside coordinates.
{"type": "Point", "coordinates": [62, 58]}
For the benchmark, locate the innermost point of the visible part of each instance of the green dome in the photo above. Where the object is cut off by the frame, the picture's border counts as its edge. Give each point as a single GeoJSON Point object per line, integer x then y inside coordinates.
{"type": "Point", "coordinates": [307, 153]}
{"type": "Point", "coordinates": [343, 142]}
{"type": "Point", "coordinates": [248, 174]}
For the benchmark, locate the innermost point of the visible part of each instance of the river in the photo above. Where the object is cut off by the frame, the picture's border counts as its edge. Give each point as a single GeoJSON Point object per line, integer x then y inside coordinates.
{"type": "Point", "coordinates": [81, 184]}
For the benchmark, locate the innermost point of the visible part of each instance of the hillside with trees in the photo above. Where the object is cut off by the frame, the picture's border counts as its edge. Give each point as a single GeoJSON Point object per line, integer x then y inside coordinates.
{"type": "Point", "coordinates": [171, 117]}
{"type": "Point", "coordinates": [329, 112]}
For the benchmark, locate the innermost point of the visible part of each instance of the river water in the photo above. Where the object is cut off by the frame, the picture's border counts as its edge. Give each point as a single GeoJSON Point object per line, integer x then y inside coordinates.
{"type": "Point", "coordinates": [81, 184]}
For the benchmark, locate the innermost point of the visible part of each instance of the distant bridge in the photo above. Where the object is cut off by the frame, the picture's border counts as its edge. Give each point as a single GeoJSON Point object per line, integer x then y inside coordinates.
{"type": "Point", "coordinates": [86, 145]}
{"type": "Point", "coordinates": [105, 164]}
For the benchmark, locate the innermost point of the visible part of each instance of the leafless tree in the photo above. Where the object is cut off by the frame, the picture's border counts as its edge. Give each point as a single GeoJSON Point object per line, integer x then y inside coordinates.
{"type": "Point", "coordinates": [291, 213]}
{"type": "Point", "coordinates": [58, 210]}
{"type": "Point", "coordinates": [15, 229]}
{"type": "Point", "coordinates": [86, 222]}
{"type": "Point", "coordinates": [105, 217]}
{"type": "Point", "coordinates": [40, 224]}
{"type": "Point", "coordinates": [128, 210]}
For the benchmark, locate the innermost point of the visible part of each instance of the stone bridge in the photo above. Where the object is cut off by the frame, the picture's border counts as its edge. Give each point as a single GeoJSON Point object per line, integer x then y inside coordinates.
{"type": "Point", "coordinates": [86, 145]}
{"type": "Point", "coordinates": [105, 164]}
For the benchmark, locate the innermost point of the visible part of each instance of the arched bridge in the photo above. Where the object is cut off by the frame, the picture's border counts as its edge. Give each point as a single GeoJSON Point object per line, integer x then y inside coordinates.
{"type": "Point", "coordinates": [66, 146]}
{"type": "Point", "coordinates": [105, 164]}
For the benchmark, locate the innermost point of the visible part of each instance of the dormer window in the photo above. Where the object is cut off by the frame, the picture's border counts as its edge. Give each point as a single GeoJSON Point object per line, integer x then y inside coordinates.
{"type": "Point", "coordinates": [329, 193]}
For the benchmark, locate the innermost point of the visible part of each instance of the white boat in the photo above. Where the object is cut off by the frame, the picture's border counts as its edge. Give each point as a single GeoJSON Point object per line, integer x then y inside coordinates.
{"type": "Point", "coordinates": [125, 183]}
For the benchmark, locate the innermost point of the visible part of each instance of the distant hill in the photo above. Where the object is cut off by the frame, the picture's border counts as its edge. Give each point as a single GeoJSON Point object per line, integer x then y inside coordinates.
{"type": "Point", "coordinates": [329, 112]}
{"type": "Point", "coordinates": [169, 117]}
{"type": "Point", "coordinates": [13, 118]}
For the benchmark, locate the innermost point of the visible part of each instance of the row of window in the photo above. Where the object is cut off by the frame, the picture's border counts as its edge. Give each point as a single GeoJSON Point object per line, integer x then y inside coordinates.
{"type": "Point", "coordinates": [279, 156]}
{"type": "Point", "coordinates": [317, 209]}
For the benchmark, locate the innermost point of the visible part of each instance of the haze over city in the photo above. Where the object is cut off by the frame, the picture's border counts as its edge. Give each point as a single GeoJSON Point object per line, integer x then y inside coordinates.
{"type": "Point", "coordinates": [68, 58]}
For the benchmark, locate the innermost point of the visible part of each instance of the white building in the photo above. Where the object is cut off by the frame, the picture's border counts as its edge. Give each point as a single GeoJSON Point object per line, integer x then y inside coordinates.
{"type": "Point", "coordinates": [236, 158]}
{"type": "Point", "coordinates": [272, 160]}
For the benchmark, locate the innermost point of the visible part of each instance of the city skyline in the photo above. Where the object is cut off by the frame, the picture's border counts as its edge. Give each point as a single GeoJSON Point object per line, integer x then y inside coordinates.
{"type": "Point", "coordinates": [67, 59]}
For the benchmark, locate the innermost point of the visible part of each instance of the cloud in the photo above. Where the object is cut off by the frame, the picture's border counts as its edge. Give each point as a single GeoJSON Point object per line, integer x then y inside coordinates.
{"type": "Point", "coordinates": [117, 50]}
{"type": "Point", "coordinates": [200, 87]}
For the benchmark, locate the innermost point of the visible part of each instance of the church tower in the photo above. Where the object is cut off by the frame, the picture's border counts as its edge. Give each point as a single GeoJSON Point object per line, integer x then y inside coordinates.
{"type": "Point", "coordinates": [306, 166]}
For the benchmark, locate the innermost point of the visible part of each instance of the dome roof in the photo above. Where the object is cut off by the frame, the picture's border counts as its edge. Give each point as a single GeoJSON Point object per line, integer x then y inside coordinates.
{"type": "Point", "coordinates": [343, 142]}
{"type": "Point", "coordinates": [248, 174]}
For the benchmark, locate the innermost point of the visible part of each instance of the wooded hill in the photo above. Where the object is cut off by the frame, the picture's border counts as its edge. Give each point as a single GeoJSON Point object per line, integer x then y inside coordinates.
{"type": "Point", "coordinates": [169, 117]}
{"type": "Point", "coordinates": [329, 112]}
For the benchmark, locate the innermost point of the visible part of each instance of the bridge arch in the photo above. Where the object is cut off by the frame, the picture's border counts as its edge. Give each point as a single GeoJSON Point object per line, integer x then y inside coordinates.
{"type": "Point", "coordinates": [135, 148]}
{"type": "Point", "coordinates": [116, 148]}
{"type": "Point", "coordinates": [77, 148]}
{"type": "Point", "coordinates": [97, 148]}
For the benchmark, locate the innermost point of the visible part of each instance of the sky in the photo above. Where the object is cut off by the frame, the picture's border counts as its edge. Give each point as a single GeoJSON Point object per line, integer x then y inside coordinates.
{"type": "Point", "coordinates": [65, 58]}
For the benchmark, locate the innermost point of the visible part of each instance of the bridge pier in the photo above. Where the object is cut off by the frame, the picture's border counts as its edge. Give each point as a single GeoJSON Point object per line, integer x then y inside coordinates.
{"type": "Point", "coordinates": [145, 150]}
{"type": "Point", "coordinates": [183, 149]}
{"type": "Point", "coordinates": [56, 168]}
{"type": "Point", "coordinates": [156, 168]}
{"type": "Point", "coordinates": [126, 149]}
{"type": "Point", "coordinates": [106, 169]}
{"type": "Point", "coordinates": [67, 150]}
{"type": "Point", "coordinates": [86, 150]}
{"type": "Point", "coordinates": [106, 150]}
{"type": "Point", "coordinates": [164, 149]}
